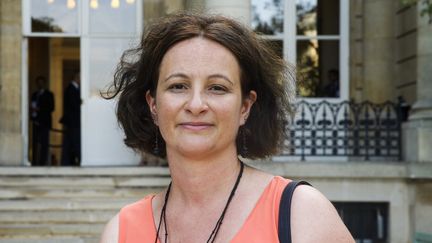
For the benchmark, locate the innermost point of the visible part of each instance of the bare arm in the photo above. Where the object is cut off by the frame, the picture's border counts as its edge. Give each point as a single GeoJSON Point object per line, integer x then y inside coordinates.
{"type": "Point", "coordinates": [110, 234]}
{"type": "Point", "coordinates": [314, 219]}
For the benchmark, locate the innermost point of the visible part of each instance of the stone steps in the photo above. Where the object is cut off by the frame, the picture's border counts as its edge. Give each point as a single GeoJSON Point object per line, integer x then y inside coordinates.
{"type": "Point", "coordinates": [50, 239]}
{"type": "Point", "coordinates": [63, 204]}
{"type": "Point", "coordinates": [82, 182]}
{"type": "Point", "coordinates": [53, 193]}
{"type": "Point", "coordinates": [56, 216]}
{"type": "Point", "coordinates": [38, 229]}
{"type": "Point", "coordinates": [69, 204]}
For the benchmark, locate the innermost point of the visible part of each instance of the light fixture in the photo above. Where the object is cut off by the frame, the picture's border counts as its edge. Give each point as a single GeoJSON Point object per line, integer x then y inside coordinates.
{"type": "Point", "coordinates": [71, 4]}
{"type": "Point", "coordinates": [115, 3]}
{"type": "Point", "coordinates": [50, 1]}
{"type": "Point", "coordinates": [94, 4]}
{"type": "Point", "coordinates": [130, 1]}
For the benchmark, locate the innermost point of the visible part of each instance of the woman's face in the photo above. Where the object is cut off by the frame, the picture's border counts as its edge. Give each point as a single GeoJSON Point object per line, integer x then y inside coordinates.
{"type": "Point", "coordinates": [199, 105]}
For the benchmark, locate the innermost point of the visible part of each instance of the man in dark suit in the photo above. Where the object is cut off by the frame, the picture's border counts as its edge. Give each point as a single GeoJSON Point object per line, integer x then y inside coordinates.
{"type": "Point", "coordinates": [42, 105]}
{"type": "Point", "coordinates": [71, 148]}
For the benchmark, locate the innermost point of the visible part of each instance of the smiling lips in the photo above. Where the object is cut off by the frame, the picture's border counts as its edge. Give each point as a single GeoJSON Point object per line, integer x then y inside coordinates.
{"type": "Point", "coordinates": [195, 126]}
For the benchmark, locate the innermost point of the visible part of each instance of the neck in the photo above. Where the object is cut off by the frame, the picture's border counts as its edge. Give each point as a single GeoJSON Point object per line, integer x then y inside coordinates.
{"type": "Point", "coordinates": [199, 181]}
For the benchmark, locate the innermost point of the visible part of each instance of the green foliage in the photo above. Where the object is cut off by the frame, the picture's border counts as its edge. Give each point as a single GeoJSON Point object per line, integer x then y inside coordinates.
{"type": "Point", "coordinates": [426, 7]}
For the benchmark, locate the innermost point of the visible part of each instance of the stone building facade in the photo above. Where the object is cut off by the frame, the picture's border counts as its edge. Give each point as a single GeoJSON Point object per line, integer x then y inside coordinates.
{"type": "Point", "coordinates": [389, 52]}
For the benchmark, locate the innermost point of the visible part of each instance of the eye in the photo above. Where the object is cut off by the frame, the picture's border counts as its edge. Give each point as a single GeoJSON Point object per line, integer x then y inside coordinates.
{"type": "Point", "coordinates": [219, 89]}
{"type": "Point", "coordinates": [177, 87]}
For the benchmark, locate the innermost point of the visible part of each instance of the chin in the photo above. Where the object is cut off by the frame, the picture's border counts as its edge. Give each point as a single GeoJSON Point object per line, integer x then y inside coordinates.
{"type": "Point", "coordinates": [193, 148]}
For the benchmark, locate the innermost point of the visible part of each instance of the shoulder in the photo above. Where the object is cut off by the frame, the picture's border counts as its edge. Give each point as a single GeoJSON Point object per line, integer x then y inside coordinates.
{"type": "Point", "coordinates": [314, 218]}
{"type": "Point", "coordinates": [111, 231]}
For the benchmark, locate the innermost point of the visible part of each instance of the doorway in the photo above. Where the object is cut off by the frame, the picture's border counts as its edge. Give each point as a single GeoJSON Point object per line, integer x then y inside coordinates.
{"type": "Point", "coordinates": [56, 60]}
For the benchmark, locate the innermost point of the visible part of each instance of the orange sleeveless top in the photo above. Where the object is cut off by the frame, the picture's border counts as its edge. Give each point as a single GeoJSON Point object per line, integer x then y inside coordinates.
{"type": "Point", "coordinates": [136, 221]}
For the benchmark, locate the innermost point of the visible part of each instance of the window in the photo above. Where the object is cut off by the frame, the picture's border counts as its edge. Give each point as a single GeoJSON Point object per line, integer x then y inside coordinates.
{"type": "Point", "coordinates": [367, 222]}
{"type": "Point", "coordinates": [87, 36]}
{"type": "Point", "coordinates": [50, 16]}
{"type": "Point", "coordinates": [312, 35]}
{"type": "Point", "coordinates": [268, 20]}
{"type": "Point", "coordinates": [112, 17]}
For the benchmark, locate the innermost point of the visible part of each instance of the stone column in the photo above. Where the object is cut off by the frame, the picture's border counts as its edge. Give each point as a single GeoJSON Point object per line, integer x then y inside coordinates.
{"type": "Point", "coordinates": [10, 83]}
{"type": "Point", "coordinates": [195, 5]}
{"type": "Point", "coordinates": [418, 131]}
{"type": "Point", "coordinates": [378, 46]}
{"type": "Point", "coordinates": [239, 9]}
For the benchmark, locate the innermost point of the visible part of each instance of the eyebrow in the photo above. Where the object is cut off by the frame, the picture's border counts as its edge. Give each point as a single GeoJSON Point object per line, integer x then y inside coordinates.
{"type": "Point", "coordinates": [176, 75]}
{"type": "Point", "coordinates": [221, 76]}
{"type": "Point", "coordinates": [182, 75]}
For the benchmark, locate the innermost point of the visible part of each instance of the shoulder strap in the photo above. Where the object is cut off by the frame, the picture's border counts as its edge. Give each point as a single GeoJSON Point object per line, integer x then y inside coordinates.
{"type": "Point", "coordinates": [284, 230]}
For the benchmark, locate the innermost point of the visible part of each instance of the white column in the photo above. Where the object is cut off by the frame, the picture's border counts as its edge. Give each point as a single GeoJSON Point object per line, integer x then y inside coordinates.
{"type": "Point", "coordinates": [238, 9]}
{"type": "Point", "coordinates": [378, 50]}
{"type": "Point", "coordinates": [422, 108]}
{"type": "Point", "coordinates": [418, 131]}
{"type": "Point", "coordinates": [11, 128]}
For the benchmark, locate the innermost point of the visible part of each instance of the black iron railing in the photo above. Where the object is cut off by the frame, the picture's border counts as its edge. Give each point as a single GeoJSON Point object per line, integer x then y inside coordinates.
{"type": "Point", "coordinates": [355, 130]}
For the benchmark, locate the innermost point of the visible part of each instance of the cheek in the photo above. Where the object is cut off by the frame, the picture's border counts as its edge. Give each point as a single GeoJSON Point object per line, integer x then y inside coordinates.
{"type": "Point", "coordinates": [166, 112]}
{"type": "Point", "coordinates": [166, 102]}
{"type": "Point", "coordinates": [230, 111]}
{"type": "Point", "coordinates": [169, 108]}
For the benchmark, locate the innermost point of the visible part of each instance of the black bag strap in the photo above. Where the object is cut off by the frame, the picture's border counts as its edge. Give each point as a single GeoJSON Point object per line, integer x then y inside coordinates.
{"type": "Point", "coordinates": [284, 230]}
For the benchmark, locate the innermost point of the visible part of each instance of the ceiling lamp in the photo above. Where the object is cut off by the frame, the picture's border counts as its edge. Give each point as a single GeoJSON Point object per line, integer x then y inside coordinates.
{"type": "Point", "coordinates": [115, 3]}
{"type": "Point", "coordinates": [94, 4]}
{"type": "Point", "coordinates": [50, 1]}
{"type": "Point", "coordinates": [130, 1]}
{"type": "Point", "coordinates": [71, 4]}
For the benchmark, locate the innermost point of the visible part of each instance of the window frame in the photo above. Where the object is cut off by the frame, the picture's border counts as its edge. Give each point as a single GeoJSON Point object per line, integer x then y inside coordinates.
{"type": "Point", "coordinates": [290, 38]}
{"type": "Point", "coordinates": [84, 36]}
{"type": "Point", "coordinates": [26, 20]}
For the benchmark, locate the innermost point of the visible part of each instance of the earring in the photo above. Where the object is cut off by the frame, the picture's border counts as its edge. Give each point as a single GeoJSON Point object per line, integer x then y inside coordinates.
{"type": "Point", "coordinates": [156, 145]}
{"type": "Point", "coordinates": [244, 147]}
{"type": "Point", "coordinates": [154, 117]}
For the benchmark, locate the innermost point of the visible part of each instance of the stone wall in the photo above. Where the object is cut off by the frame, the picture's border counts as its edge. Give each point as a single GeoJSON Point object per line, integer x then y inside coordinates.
{"type": "Point", "coordinates": [383, 50]}
{"type": "Point", "coordinates": [378, 50]}
{"type": "Point", "coordinates": [240, 9]}
{"type": "Point", "coordinates": [356, 44]}
{"type": "Point", "coordinates": [423, 207]}
{"type": "Point", "coordinates": [406, 52]}
{"type": "Point", "coordinates": [418, 131]}
{"type": "Point", "coordinates": [10, 83]}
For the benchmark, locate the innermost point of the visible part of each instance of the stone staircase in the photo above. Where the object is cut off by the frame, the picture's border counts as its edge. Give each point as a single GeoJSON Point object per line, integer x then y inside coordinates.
{"type": "Point", "coordinates": [68, 204]}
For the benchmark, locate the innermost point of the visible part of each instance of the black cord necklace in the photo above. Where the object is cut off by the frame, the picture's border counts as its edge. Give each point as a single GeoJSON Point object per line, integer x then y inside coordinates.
{"type": "Point", "coordinates": [215, 230]}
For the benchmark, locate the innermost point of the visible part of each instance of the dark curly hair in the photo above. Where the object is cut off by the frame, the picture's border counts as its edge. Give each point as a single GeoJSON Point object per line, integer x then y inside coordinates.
{"type": "Point", "coordinates": [261, 70]}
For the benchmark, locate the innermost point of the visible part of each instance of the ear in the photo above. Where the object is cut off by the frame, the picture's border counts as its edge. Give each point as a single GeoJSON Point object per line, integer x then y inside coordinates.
{"type": "Point", "coordinates": [246, 106]}
{"type": "Point", "coordinates": [151, 101]}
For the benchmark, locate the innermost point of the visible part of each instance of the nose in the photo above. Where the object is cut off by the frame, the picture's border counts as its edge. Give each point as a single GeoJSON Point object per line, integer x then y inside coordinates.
{"type": "Point", "coordinates": [197, 102]}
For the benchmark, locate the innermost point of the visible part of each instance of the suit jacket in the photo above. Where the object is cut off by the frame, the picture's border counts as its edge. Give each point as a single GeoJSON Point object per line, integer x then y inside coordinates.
{"type": "Point", "coordinates": [71, 107]}
{"type": "Point", "coordinates": [44, 101]}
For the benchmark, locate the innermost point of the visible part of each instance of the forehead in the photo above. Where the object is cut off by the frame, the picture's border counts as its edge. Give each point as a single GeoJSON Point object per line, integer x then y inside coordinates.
{"type": "Point", "coordinates": [199, 55]}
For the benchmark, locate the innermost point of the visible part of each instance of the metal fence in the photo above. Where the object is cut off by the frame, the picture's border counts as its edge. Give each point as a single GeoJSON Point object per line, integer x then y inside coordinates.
{"type": "Point", "coordinates": [354, 130]}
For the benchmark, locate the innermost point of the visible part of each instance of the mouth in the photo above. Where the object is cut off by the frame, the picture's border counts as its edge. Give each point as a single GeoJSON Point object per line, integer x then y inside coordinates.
{"type": "Point", "coordinates": [195, 126]}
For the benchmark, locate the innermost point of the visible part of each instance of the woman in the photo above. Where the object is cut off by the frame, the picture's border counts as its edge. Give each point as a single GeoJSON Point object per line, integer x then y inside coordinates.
{"type": "Point", "coordinates": [203, 91]}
